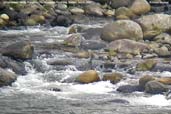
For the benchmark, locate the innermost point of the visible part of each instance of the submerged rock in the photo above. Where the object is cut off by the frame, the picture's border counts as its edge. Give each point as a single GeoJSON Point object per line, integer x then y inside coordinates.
{"type": "Point", "coordinates": [129, 88]}
{"type": "Point", "coordinates": [6, 78]}
{"type": "Point", "coordinates": [155, 87]}
{"type": "Point", "coordinates": [113, 77]}
{"type": "Point", "coordinates": [88, 77]}
{"type": "Point", "coordinates": [122, 29]}
{"type": "Point", "coordinates": [19, 50]}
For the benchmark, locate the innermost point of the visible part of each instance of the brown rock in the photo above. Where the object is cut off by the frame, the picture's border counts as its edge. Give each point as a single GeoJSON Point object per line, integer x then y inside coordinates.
{"type": "Point", "coordinates": [113, 77]}
{"type": "Point", "coordinates": [88, 77]}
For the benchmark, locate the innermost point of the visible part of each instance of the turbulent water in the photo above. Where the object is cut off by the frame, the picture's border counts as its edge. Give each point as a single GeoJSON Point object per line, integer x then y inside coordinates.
{"type": "Point", "coordinates": [36, 93]}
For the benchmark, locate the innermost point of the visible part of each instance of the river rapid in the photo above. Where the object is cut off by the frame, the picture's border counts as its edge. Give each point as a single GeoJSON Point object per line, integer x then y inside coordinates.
{"type": "Point", "coordinates": [38, 91]}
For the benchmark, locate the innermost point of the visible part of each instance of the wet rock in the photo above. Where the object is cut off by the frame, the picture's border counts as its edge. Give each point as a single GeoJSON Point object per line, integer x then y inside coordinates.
{"type": "Point", "coordinates": [155, 87]}
{"type": "Point", "coordinates": [122, 29]}
{"type": "Point", "coordinates": [88, 77]}
{"type": "Point", "coordinates": [77, 11]}
{"type": "Point", "coordinates": [73, 40]}
{"type": "Point", "coordinates": [146, 65]}
{"type": "Point", "coordinates": [145, 79]}
{"type": "Point", "coordinates": [94, 10]}
{"type": "Point", "coordinates": [59, 62]}
{"type": "Point", "coordinates": [140, 7]}
{"type": "Point", "coordinates": [113, 77]}
{"type": "Point", "coordinates": [163, 38]}
{"type": "Point", "coordinates": [120, 3]}
{"type": "Point", "coordinates": [16, 66]}
{"type": "Point", "coordinates": [164, 80]}
{"type": "Point", "coordinates": [62, 20]}
{"type": "Point", "coordinates": [109, 13]}
{"type": "Point", "coordinates": [83, 54]}
{"type": "Point", "coordinates": [6, 78]}
{"type": "Point", "coordinates": [56, 89]}
{"type": "Point", "coordinates": [92, 33]}
{"type": "Point", "coordinates": [4, 17]}
{"type": "Point", "coordinates": [129, 88]}
{"type": "Point", "coordinates": [153, 25]}
{"type": "Point", "coordinates": [127, 46]}
{"type": "Point", "coordinates": [124, 13]}
{"type": "Point", "coordinates": [2, 23]}
{"type": "Point", "coordinates": [121, 101]}
{"type": "Point", "coordinates": [163, 52]}
{"type": "Point", "coordinates": [161, 67]}
{"type": "Point", "coordinates": [93, 44]}
{"type": "Point", "coordinates": [35, 20]}
{"type": "Point", "coordinates": [19, 50]}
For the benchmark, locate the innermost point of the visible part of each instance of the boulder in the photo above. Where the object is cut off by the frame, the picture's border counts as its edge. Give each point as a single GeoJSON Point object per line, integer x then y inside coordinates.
{"type": "Point", "coordinates": [155, 87]}
{"type": "Point", "coordinates": [127, 46]}
{"type": "Point", "coordinates": [77, 11]}
{"type": "Point", "coordinates": [62, 20]}
{"type": "Point", "coordinates": [153, 25]}
{"type": "Point", "coordinates": [164, 80]}
{"type": "Point", "coordinates": [73, 40]}
{"type": "Point", "coordinates": [88, 77]}
{"type": "Point", "coordinates": [129, 88]}
{"type": "Point", "coordinates": [163, 51]}
{"type": "Point", "coordinates": [109, 13]}
{"type": "Point", "coordinates": [6, 77]}
{"type": "Point", "coordinates": [163, 38]}
{"type": "Point", "coordinates": [19, 50]}
{"type": "Point", "coordinates": [120, 3]}
{"type": "Point", "coordinates": [2, 23]}
{"type": "Point", "coordinates": [140, 7]}
{"type": "Point", "coordinates": [124, 13]}
{"type": "Point", "coordinates": [145, 79]}
{"type": "Point", "coordinates": [122, 29]}
{"type": "Point", "coordinates": [94, 10]}
{"type": "Point", "coordinates": [4, 17]}
{"type": "Point", "coordinates": [113, 77]}
{"type": "Point", "coordinates": [146, 65]}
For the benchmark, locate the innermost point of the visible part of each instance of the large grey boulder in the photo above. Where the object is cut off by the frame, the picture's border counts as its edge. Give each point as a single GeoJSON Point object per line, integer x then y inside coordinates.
{"type": "Point", "coordinates": [122, 29]}
{"type": "Point", "coordinates": [153, 25]}
{"type": "Point", "coordinates": [19, 50]}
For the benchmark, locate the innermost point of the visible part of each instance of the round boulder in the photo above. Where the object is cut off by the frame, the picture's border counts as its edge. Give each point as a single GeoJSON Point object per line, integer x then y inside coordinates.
{"type": "Point", "coordinates": [155, 87]}
{"type": "Point", "coordinates": [140, 7]}
{"type": "Point", "coordinates": [88, 77]}
{"type": "Point", "coordinates": [153, 25]}
{"type": "Point", "coordinates": [122, 29]}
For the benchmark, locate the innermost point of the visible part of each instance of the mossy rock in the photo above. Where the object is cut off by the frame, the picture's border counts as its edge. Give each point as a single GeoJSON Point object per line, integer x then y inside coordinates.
{"type": "Point", "coordinates": [31, 22]}
{"type": "Point", "coordinates": [146, 65]}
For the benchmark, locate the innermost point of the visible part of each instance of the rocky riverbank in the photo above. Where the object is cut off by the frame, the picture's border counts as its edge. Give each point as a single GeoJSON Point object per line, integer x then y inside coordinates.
{"type": "Point", "coordinates": [133, 37]}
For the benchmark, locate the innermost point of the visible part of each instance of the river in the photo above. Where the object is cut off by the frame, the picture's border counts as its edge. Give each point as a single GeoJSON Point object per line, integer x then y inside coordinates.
{"type": "Point", "coordinates": [37, 92]}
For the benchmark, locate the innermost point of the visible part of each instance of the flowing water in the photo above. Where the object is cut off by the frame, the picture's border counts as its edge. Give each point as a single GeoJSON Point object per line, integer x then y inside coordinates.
{"type": "Point", "coordinates": [37, 92]}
